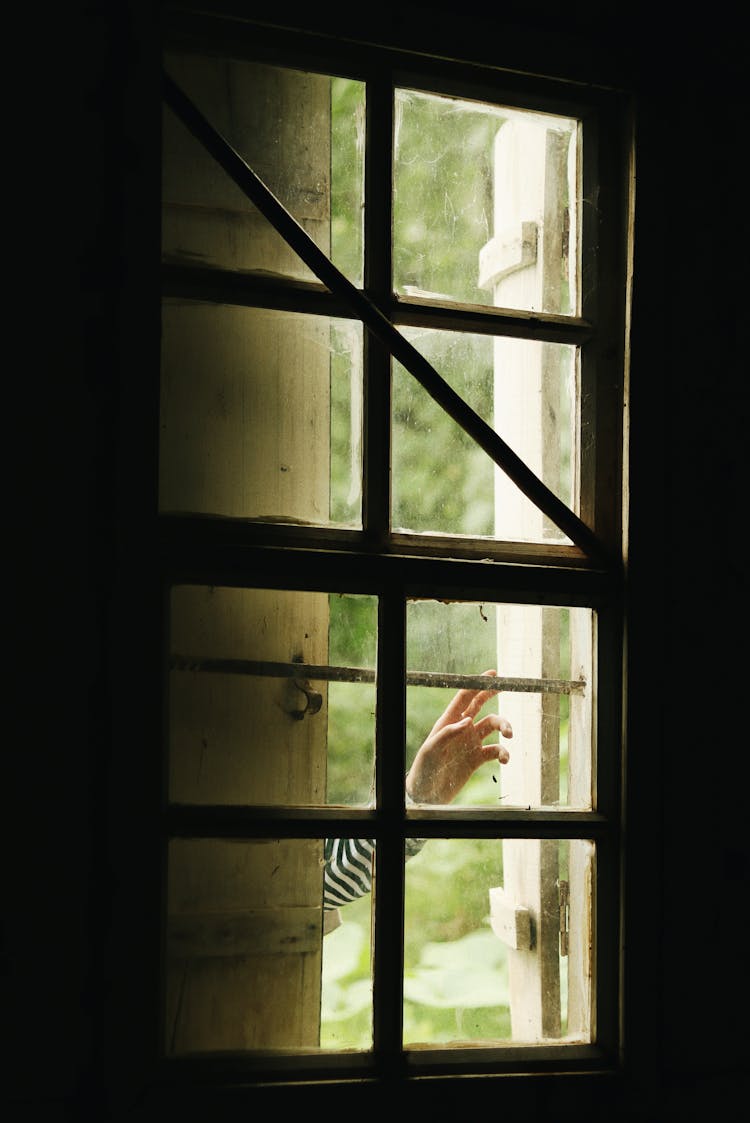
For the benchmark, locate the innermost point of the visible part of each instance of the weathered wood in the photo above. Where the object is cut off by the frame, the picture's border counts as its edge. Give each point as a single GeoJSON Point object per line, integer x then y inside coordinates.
{"type": "Point", "coordinates": [263, 110]}
{"type": "Point", "coordinates": [243, 943]}
{"type": "Point", "coordinates": [250, 932]}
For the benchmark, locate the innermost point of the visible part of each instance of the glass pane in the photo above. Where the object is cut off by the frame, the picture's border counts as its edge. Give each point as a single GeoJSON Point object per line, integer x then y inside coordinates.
{"type": "Point", "coordinates": [485, 204]}
{"type": "Point", "coordinates": [542, 659]}
{"type": "Point", "coordinates": [498, 942]}
{"type": "Point", "coordinates": [443, 483]}
{"type": "Point", "coordinates": [261, 415]}
{"type": "Point", "coordinates": [245, 725]}
{"type": "Point", "coordinates": [301, 133]}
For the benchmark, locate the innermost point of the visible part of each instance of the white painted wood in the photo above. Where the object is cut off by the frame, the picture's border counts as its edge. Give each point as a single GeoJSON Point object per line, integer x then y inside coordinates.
{"type": "Point", "coordinates": [511, 249]}
{"type": "Point", "coordinates": [510, 922]}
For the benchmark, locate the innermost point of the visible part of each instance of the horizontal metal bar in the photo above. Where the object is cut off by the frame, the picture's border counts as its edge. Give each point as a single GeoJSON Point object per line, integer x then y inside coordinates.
{"type": "Point", "coordinates": [364, 674]}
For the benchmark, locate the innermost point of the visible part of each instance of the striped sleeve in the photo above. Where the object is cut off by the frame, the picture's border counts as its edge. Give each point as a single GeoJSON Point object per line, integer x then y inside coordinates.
{"type": "Point", "coordinates": [347, 874]}
{"type": "Point", "coordinates": [348, 870]}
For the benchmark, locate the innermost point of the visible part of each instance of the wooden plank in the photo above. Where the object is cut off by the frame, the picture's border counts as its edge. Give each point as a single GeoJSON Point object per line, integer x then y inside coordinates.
{"type": "Point", "coordinates": [241, 1003]}
{"type": "Point", "coordinates": [250, 932]}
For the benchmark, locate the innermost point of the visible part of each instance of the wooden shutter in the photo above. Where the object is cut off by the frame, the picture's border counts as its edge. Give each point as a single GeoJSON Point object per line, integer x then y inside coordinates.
{"type": "Point", "coordinates": [244, 434]}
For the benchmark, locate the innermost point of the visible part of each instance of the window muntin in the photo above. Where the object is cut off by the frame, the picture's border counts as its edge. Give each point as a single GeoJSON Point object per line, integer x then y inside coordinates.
{"type": "Point", "coordinates": [468, 941]}
{"type": "Point", "coordinates": [244, 732]}
{"type": "Point", "coordinates": [520, 826]}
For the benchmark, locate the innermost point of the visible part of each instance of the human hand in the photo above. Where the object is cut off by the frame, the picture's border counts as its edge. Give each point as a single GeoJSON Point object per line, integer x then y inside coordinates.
{"type": "Point", "coordinates": [454, 749]}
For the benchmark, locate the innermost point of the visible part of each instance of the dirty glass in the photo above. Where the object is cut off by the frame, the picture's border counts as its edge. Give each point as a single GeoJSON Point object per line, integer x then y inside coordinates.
{"type": "Point", "coordinates": [271, 697]}
{"type": "Point", "coordinates": [301, 133]}
{"type": "Point", "coordinates": [443, 482]}
{"type": "Point", "coordinates": [485, 204]}
{"type": "Point", "coordinates": [260, 415]}
{"type": "Point", "coordinates": [541, 659]}
{"type": "Point", "coordinates": [497, 945]}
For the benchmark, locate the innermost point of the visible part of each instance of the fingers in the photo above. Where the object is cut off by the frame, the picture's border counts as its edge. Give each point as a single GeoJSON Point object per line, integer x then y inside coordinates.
{"type": "Point", "coordinates": [464, 702]}
{"type": "Point", "coordinates": [492, 723]}
{"type": "Point", "coordinates": [472, 701]}
{"type": "Point", "coordinates": [495, 752]}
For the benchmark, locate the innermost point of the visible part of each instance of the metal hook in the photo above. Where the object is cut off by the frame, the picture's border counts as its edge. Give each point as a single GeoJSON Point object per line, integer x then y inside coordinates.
{"type": "Point", "coordinates": [313, 700]}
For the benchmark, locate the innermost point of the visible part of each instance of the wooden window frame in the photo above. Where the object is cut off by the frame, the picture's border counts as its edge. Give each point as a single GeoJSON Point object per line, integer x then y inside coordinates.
{"type": "Point", "coordinates": [397, 566]}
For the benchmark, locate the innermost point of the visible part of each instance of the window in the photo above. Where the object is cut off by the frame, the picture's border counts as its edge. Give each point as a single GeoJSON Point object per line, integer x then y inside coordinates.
{"type": "Point", "coordinates": [390, 469]}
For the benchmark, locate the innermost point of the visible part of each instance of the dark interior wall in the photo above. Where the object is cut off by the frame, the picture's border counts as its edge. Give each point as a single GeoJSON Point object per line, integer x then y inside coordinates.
{"type": "Point", "coordinates": [687, 584]}
{"type": "Point", "coordinates": [689, 485]}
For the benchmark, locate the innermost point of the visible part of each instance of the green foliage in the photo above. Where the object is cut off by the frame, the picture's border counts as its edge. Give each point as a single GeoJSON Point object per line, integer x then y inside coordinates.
{"type": "Point", "coordinates": [345, 338]}
{"type": "Point", "coordinates": [347, 176]}
{"type": "Point", "coordinates": [442, 480]}
{"type": "Point", "coordinates": [351, 705]}
{"type": "Point", "coordinates": [458, 991]}
{"type": "Point", "coordinates": [346, 1002]}
{"type": "Point", "coordinates": [446, 891]}
{"type": "Point", "coordinates": [351, 742]}
{"type": "Point", "coordinates": [353, 630]}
